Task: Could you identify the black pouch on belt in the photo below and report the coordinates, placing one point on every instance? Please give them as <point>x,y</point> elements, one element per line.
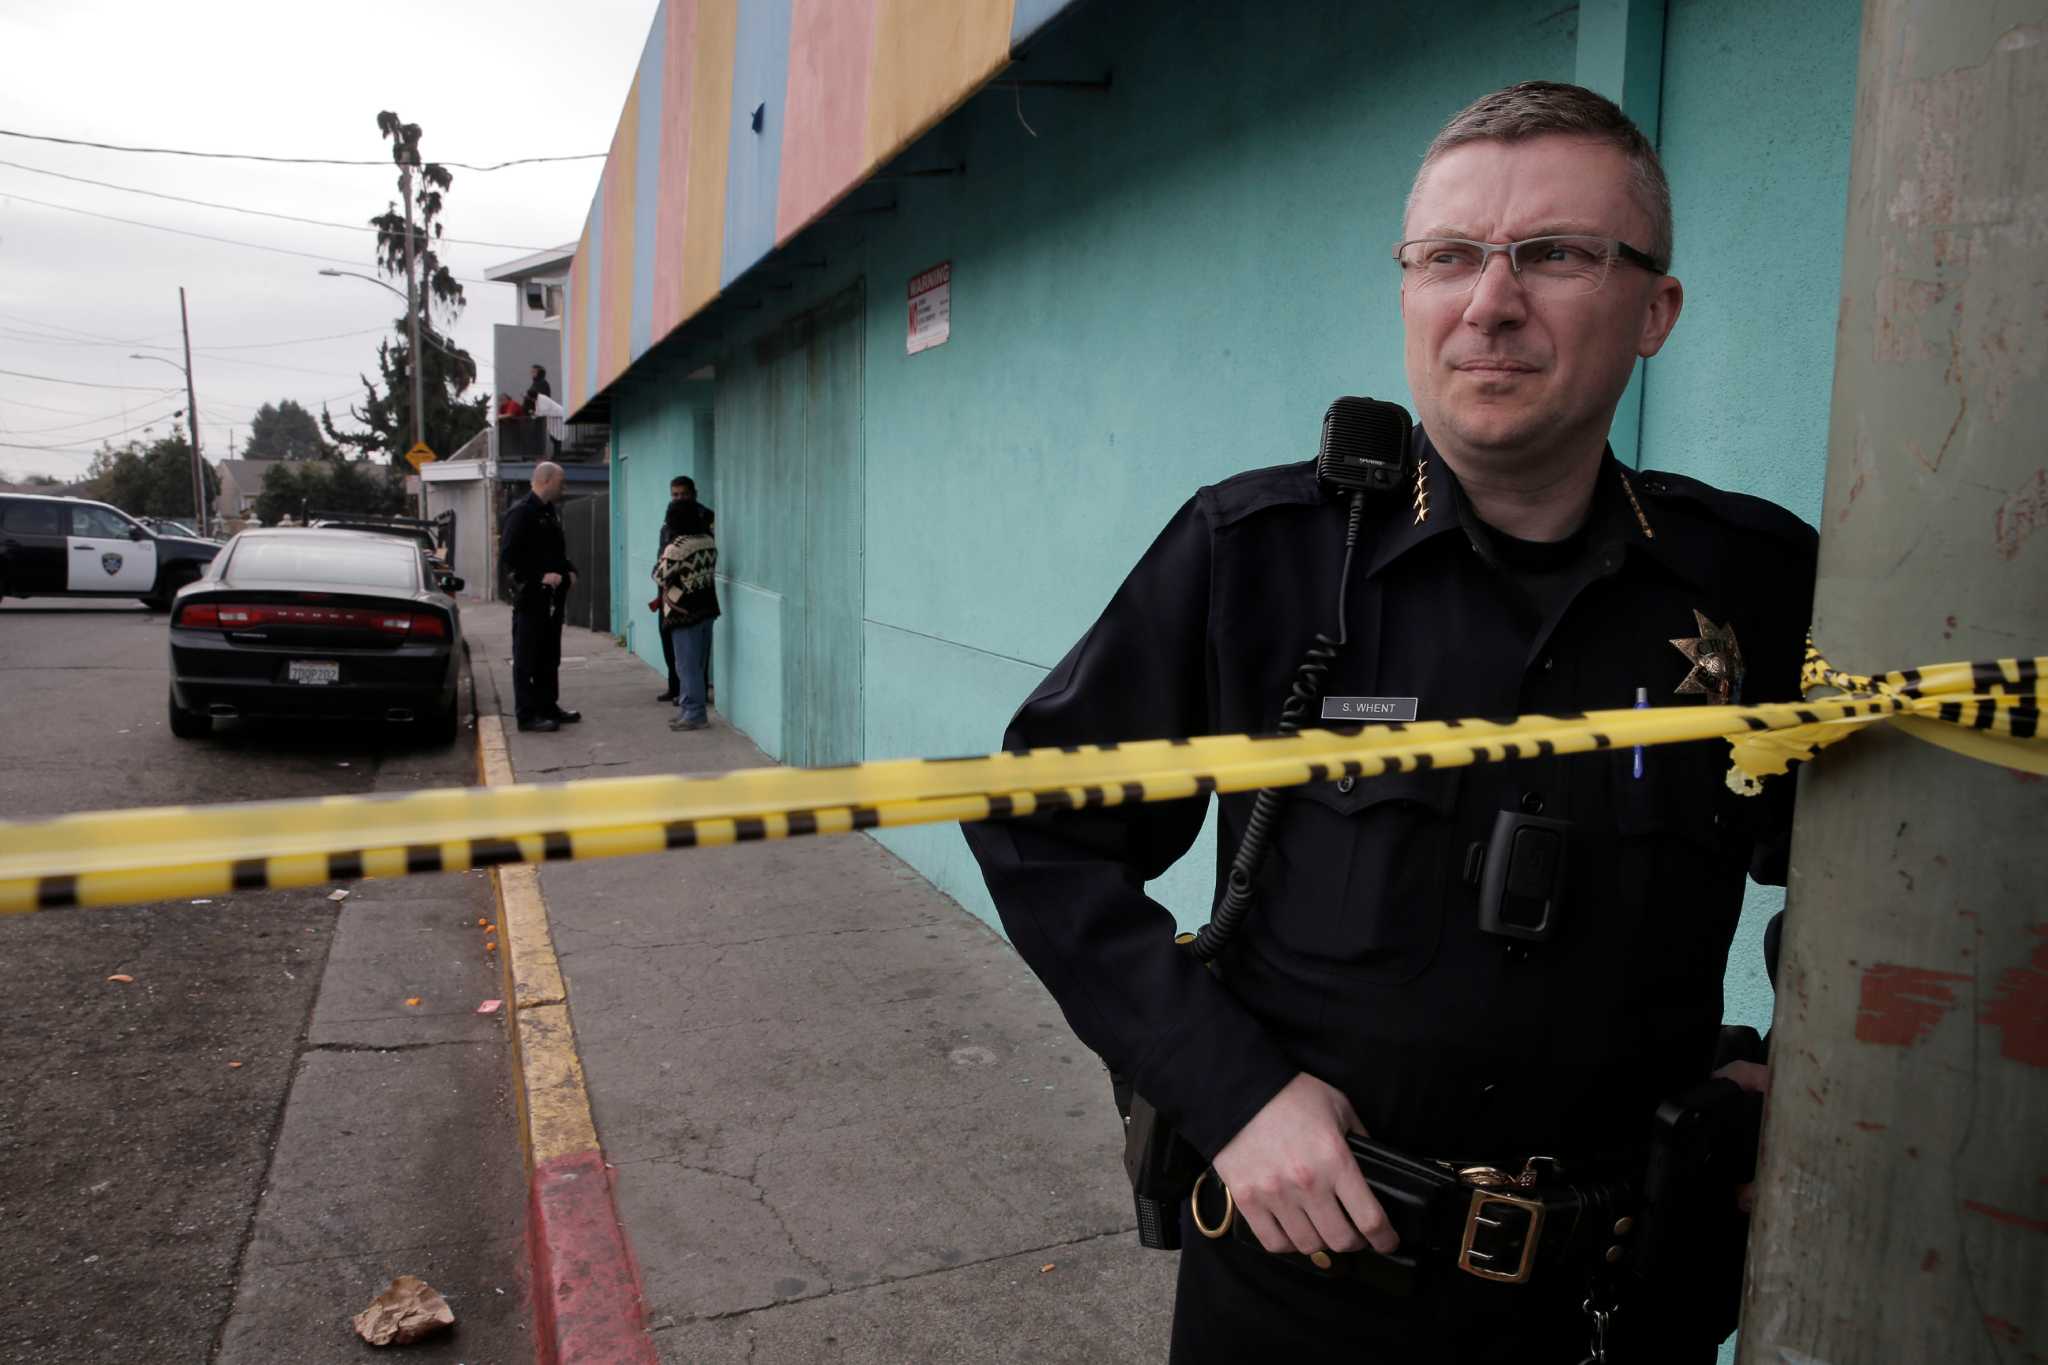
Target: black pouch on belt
<point>1694,1237</point>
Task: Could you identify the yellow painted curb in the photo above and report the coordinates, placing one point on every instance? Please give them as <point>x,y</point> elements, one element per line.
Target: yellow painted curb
<point>553,1100</point>
<point>558,1121</point>
<point>533,976</point>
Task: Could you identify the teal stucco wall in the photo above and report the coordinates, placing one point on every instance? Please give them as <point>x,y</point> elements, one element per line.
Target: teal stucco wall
<point>1161,285</point>
<point>1755,142</point>
<point>669,433</point>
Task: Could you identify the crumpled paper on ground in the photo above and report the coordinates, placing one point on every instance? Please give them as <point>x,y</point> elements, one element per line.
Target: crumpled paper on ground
<point>408,1309</point>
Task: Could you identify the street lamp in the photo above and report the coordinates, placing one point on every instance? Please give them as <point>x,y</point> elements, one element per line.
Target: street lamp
<point>412,312</point>
<point>396,293</point>
<point>358,275</point>
<point>191,424</point>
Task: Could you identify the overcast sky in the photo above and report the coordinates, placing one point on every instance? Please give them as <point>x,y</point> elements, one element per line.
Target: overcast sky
<point>78,294</point>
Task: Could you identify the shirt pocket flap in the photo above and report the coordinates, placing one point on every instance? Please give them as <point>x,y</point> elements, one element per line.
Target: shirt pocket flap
<point>1357,876</point>
<point>1435,789</point>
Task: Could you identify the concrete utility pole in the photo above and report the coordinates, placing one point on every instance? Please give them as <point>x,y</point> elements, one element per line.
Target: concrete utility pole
<point>192,421</point>
<point>1904,1210</point>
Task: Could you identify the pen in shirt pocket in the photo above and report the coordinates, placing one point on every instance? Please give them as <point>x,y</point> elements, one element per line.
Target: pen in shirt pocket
<point>1642,704</point>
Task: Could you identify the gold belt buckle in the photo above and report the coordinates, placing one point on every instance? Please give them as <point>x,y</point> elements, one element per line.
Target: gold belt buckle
<point>1475,1261</point>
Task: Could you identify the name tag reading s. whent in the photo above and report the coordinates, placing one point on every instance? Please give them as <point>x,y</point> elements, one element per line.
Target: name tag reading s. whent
<point>1356,710</point>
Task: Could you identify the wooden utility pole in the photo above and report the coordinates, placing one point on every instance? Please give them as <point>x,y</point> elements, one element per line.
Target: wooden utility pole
<point>1904,1210</point>
<point>192,421</point>
<point>413,292</point>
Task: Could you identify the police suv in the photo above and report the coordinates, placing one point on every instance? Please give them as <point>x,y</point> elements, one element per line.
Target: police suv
<point>68,547</point>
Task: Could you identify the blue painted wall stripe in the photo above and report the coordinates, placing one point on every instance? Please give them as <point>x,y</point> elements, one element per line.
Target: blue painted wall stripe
<point>1029,16</point>
<point>753,170</point>
<point>646,183</point>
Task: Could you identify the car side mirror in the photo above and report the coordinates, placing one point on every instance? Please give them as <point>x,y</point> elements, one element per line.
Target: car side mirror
<point>451,583</point>
<point>137,533</point>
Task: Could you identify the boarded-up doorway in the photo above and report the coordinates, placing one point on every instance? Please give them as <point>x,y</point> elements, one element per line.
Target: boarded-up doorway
<point>790,515</point>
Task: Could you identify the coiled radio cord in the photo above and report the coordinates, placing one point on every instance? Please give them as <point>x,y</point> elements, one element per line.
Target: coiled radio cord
<point>1305,690</point>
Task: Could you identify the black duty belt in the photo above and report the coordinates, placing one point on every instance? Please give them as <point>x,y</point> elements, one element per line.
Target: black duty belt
<point>1539,1225</point>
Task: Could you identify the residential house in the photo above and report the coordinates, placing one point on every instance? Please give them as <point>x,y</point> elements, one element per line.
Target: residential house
<point>241,483</point>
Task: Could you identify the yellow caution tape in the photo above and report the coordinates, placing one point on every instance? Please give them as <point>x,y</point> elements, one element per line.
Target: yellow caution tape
<point>115,857</point>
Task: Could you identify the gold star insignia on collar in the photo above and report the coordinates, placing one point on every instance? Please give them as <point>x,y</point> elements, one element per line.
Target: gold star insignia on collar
<point>1716,662</point>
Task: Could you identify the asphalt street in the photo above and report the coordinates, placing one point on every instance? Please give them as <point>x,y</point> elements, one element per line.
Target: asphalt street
<point>223,1158</point>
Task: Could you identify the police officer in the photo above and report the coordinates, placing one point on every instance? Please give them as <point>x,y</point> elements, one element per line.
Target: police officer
<point>536,560</point>
<point>1522,569</point>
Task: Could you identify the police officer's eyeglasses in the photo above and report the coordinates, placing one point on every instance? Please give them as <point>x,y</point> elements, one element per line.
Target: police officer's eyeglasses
<point>1571,264</point>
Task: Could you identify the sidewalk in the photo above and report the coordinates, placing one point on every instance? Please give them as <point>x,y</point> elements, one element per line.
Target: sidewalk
<point>847,1122</point>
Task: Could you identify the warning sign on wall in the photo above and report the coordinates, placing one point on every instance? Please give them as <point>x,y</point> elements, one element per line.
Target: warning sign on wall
<point>931,308</point>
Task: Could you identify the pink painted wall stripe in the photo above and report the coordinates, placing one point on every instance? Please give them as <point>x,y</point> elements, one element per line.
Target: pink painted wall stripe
<point>831,60</point>
<point>672,186</point>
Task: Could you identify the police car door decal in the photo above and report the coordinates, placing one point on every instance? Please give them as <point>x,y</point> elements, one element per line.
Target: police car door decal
<point>102,558</point>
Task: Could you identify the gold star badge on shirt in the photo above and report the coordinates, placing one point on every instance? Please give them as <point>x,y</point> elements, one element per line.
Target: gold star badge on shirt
<point>1716,662</point>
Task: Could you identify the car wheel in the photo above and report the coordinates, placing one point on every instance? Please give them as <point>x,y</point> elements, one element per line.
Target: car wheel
<point>167,588</point>
<point>441,727</point>
<point>189,724</point>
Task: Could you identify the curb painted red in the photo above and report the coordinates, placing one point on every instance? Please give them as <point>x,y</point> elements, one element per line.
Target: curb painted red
<point>586,1285</point>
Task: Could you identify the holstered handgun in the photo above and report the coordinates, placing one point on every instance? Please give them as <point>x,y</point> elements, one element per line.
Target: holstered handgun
<point>1161,1164</point>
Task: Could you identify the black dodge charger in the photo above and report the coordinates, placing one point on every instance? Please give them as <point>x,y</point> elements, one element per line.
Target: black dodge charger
<point>311,622</point>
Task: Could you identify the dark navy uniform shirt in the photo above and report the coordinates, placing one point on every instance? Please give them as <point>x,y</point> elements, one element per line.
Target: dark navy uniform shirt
<point>533,545</point>
<point>1362,961</point>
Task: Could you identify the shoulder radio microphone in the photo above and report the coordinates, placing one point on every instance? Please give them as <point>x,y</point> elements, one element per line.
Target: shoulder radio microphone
<point>1364,447</point>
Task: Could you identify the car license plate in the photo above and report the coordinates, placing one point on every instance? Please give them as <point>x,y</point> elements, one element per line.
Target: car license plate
<point>313,672</point>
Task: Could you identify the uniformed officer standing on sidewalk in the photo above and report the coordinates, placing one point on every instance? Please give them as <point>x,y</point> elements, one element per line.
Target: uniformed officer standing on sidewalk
<point>536,559</point>
<point>1519,569</point>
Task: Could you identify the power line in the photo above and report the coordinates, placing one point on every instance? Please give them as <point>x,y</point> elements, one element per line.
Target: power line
<point>272,365</point>
<point>50,339</point>
<point>295,341</point>
<point>307,403</point>
<point>88,422</point>
<point>159,227</point>
<point>50,450</point>
<point>273,345</point>
<point>182,232</point>
<point>202,236</point>
<point>102,436</point>
<point>74,412</point>
<point>19,335</point>
<point>83,383</point>
<point>259,213</point>
<point>291,160</point>
<point>96,336</point>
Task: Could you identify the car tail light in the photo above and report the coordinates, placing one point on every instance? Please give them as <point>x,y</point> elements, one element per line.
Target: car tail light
<point>420,625</point>
<point>414,625</point>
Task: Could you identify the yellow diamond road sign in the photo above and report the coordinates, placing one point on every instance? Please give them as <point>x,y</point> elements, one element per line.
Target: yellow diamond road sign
<point>420,455</point>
